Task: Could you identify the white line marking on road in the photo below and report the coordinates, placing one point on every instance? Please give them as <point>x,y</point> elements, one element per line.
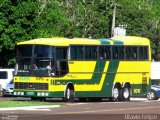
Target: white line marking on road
<point>31,108</point>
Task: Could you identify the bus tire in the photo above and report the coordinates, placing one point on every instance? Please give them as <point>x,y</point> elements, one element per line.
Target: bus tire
<point>116,93</point>
<point>125,93</point>
<point>69,95</point>
<point>152,95</point>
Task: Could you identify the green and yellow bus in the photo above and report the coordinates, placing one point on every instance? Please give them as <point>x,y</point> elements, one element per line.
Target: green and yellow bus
<point>88,69</point>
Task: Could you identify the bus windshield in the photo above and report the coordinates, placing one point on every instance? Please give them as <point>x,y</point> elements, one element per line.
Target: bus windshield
<point>35,60</point>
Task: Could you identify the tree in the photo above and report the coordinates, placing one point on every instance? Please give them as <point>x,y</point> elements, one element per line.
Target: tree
<point>88,18</point>
<point>28,19</point>
<point>16,24</point>
<point>51,20</point>
<point>154,29</point>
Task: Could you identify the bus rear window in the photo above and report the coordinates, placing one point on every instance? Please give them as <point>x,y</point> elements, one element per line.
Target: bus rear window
<point>3,75</point>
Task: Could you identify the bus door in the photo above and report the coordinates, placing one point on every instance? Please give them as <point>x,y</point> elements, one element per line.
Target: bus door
<point>61,61</point>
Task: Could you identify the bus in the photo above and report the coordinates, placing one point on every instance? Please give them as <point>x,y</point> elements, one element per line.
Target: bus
<point>86,69</point>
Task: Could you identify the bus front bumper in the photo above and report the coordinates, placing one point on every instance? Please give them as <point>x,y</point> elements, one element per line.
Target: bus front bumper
<point>31,94</point>
<point>38,94</point>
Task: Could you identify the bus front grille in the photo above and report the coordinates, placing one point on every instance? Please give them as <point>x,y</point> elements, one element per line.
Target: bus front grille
<point>31,86</point>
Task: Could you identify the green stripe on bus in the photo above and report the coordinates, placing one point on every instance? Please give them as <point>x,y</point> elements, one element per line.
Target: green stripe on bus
<point>106,90</point>
<point>109,79</point>
<point>96,77</point>
<point>104,41</point>
<point>117,42</point>
<point>107,42</point>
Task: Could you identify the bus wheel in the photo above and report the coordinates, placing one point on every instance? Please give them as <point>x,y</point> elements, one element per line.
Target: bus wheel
<point>116,93</point>
<point>69,95</point>
<point>125,94</point>
<point>152,95</point>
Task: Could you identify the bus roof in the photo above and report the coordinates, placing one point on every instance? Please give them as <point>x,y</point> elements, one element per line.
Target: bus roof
<point>132,40</point>
<point>120,40</point>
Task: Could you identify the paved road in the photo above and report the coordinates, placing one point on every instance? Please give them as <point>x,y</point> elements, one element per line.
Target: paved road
<point>140,109</point>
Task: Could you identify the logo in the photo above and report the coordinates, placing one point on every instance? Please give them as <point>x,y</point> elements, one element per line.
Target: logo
<point>9,116</point>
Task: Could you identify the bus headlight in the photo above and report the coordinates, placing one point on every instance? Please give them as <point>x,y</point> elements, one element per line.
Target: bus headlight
<point>19,93</point>
<point>42,94</point>
<point>38,94</point>
<point>15,93</point>
<point>22,93</point>
<point>46,94</point>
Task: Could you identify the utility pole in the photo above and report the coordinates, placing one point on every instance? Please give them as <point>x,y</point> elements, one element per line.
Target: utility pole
<point>114,17</point>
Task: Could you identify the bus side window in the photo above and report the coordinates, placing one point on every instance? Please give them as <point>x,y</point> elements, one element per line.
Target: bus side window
<point>128,53</point>
<point>134,53</point>
<point>94,52</point>
<point>143,53</point>
<point>90,52</point>
<point>115,52</point>
<point>77,52</point>
<point>108,52</point>
<point>101,52</point>
<point>80,53</point>
<point>73,52</point>
<point>121,52</point>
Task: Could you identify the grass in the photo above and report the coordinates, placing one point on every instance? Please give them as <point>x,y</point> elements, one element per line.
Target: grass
<point>7,104</point>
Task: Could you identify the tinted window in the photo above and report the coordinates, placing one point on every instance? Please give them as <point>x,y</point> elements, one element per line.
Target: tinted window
<point>118,52</point>
<point>121,52</point>
<point>101,52</point>
<point>143,53</point>
<point>24,51</point>
<point>134,52</point>
<point>128,53</point>
<point>77,52</point>
<point>3,75</point>
<point>131,53</point>
<point>107,52</point>
<point>73,52</point>
<point>80,52</point>
<point>42,51</point>
<point>115,52</point>
<point>90,52</point>
<point>61,53</point>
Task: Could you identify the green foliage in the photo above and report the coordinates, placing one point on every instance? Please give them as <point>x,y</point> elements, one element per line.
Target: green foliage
<point>27,19</point>
<point>87,18</point>
<point>16,24</point>
<point>51,20</point>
